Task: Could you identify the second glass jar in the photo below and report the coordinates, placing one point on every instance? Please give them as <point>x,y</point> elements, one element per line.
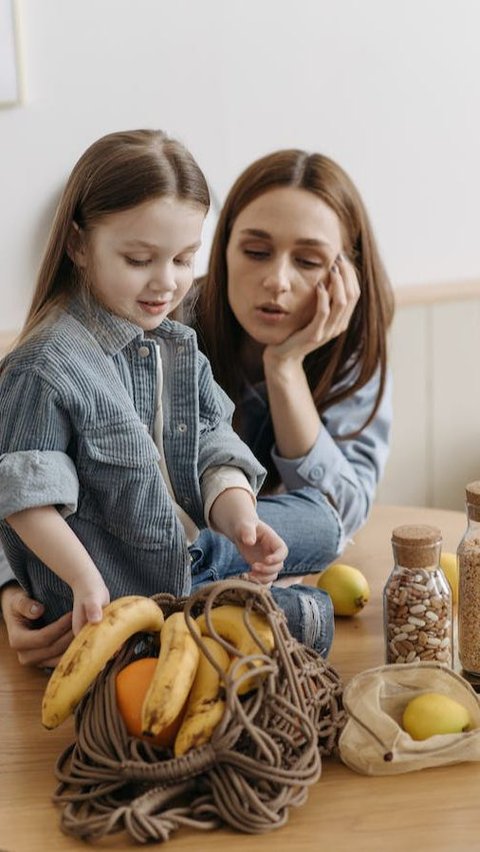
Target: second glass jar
<point>468,555</point>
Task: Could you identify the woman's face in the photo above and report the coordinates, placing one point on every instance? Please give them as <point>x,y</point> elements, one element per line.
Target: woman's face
<point>281,246</point>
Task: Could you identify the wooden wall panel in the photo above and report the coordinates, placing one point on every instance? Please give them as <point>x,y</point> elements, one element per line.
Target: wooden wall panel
<point>455,401</point>
<point>406,480</point>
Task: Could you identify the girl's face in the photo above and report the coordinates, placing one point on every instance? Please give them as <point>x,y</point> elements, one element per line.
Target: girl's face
<point>281,246</point>
<point>140,261</point>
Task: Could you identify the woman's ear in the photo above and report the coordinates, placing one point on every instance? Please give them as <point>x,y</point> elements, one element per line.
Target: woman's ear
<point>76,249</point>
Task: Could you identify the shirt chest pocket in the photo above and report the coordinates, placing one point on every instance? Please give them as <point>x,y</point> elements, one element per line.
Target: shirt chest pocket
<point>125,445</point>
<point>121,487</point>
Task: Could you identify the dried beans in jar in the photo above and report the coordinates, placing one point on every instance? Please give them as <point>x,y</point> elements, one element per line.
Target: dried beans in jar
<point>417,601</point>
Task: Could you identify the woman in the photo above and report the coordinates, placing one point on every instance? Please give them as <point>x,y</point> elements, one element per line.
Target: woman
<point>293,315</point>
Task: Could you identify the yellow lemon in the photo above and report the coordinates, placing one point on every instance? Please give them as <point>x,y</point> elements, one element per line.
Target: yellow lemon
<point>434,713</point>
<point>449,565</point>
<point>346,586</point>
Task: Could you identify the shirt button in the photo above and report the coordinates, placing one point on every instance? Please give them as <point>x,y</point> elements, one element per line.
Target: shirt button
<point>180,349</point>
<point>144,351</point>
<point>182,427</point>
<point>316,472</point>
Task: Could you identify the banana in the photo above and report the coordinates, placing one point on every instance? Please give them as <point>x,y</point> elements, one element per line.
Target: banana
<point>229,622</point>
<point>91,648</point>
<point>204,708</point>
<point>173,676</point>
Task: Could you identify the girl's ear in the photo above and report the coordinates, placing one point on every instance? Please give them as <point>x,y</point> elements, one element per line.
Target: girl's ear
<point>76,249</point>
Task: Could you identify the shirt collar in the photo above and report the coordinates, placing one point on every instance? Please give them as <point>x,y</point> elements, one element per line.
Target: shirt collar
<point>114,333</point>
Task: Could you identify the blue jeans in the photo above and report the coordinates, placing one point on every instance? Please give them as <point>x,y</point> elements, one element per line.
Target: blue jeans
<point>312,531</point>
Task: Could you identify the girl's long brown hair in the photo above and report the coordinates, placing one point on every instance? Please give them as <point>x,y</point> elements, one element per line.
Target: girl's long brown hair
<point>115,173</point>
<point>364,344</point>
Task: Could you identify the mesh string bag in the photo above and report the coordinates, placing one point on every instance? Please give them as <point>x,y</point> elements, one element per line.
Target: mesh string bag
<point>261,759</point>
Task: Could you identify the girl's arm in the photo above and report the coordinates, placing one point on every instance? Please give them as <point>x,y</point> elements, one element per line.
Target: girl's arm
<point>233,514</point>
<point>48,535</point>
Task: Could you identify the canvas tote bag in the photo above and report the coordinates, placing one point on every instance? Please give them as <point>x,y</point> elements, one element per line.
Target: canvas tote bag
<point>373,741</point>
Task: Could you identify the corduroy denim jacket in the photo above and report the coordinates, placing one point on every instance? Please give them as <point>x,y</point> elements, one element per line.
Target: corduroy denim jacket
<point>78,407</point>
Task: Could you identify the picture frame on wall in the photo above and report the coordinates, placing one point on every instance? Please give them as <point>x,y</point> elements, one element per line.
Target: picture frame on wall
<point>11,90</point>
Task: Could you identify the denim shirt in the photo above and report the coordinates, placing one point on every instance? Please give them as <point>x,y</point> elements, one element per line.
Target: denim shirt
<point>78,409</point>
<point>345,471</point>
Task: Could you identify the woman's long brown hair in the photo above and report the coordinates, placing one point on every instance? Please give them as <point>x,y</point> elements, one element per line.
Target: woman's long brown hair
<point>115,173</point>
<point>364,344</point>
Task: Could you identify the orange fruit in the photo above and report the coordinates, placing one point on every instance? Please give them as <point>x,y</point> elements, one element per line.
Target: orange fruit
<point>131,686</point>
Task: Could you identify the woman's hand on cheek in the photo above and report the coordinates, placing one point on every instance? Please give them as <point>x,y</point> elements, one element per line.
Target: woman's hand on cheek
<point>336,300</point>
<point>344,292</point>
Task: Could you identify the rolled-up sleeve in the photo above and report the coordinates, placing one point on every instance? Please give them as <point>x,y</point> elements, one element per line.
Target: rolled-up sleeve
<point>33,478</point>
<point>35,469</point>
<point>216,480</point>
<point>346,471</point>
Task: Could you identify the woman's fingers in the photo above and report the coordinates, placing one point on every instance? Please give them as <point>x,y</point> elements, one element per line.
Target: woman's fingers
<point>26,639</point>
<point>344,292</point>
<point>39,647</point>
<point>25,607</point>
<point>46,656</point>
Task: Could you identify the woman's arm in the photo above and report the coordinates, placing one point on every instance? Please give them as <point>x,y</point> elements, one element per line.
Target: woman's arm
<point>346,471</point>
<point>309,451</point>
<point>48,535</point>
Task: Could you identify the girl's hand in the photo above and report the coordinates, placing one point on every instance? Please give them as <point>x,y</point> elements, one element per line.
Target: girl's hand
<point>336,302</point>
<point>262,548</point>
<point>41,647</point>
<point>234,515</point>
<point>90,595</point>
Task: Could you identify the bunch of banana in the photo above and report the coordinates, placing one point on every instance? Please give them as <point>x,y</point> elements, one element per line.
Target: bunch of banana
<point>205,706</point>
<point>230,622</point>
<point>93,646</point>
<point>173,677</point>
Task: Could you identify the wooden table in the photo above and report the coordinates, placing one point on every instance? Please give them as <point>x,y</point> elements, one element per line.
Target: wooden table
<point>434,809</point>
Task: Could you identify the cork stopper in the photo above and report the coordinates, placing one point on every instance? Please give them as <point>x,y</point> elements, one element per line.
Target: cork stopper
<point>417,545</point>
<point>472,496</point>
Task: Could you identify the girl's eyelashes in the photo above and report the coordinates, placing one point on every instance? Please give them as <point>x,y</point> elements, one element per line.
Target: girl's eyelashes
<point>133,261</point>
<point>178,261</point>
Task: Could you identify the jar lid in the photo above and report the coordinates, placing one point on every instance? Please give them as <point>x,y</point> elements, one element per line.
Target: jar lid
<point>416,535</point>
<point>472,492</point>
<point>414,545</point>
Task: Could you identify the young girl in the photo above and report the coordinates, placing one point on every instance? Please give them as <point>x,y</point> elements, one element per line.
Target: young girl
<point>115,442</point>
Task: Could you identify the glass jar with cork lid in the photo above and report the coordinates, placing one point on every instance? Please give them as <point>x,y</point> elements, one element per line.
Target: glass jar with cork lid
<point>417,601</point>
<point>468,555</point>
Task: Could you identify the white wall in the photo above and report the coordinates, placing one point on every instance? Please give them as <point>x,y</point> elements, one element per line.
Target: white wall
<point>391,90</point>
